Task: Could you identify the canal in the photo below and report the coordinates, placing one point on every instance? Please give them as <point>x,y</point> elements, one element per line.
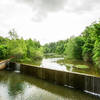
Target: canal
<point>68,65</point>
<point>15,86</point>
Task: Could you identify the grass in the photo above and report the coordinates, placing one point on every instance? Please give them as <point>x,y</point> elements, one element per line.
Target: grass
<point>52,55</point>
<point>77,66</point>
<point>81,66</point>
<point>74,63</point>
<point>29,61</point>
<point>69,65</point>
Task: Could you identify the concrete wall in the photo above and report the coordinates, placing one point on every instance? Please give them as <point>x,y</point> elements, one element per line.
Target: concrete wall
<point>76,80</point>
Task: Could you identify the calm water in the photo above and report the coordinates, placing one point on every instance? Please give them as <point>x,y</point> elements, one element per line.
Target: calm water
<point>52,63</point>
<point>14,86</point>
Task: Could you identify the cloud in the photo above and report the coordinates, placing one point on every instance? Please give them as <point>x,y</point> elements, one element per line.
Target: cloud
<point>82,6</point>
<point>19,14</point>
<point>41,8</point>
<point>45,5</point>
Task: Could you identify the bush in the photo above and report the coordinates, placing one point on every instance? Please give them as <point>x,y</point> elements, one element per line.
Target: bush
<point>3,51</point>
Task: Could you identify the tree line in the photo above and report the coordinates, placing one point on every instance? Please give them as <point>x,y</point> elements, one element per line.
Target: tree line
<point>21,50</point>
<point>85,47</point>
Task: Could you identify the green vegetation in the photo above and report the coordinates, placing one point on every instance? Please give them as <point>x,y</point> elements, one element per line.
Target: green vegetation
<point>85,47</point>
<point>52,55</point>
<point>73,48</point>
<point>81,66</point>
<point>22,50</point>
<point>70,65</point>
<point>55,47</point>
<point>77,66</point>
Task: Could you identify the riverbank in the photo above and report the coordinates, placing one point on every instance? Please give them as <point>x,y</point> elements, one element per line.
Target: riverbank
<point>28,61</point>
<point>80,66</point>
<point>63,65</point>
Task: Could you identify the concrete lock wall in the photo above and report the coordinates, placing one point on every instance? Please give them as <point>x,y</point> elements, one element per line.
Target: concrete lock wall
<point>79,81</point>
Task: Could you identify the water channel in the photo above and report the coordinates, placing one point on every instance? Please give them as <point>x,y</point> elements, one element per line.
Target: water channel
<point>15,86</point>
<point>67,65</point>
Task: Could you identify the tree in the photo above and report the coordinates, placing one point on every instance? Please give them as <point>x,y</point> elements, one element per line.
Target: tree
<point>33,49</point>
<point>88,36</point>
<point>74,48</point>
<point>55,47</point>
<point>12,34</point>
<point>3,51</point>
<point>96,53</point>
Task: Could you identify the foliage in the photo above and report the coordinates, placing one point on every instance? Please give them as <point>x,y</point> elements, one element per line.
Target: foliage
<point>96,53</point>
<point>74,48</point>
<point>3,51</point>
<point>81,66</point>
<point>55,47</point>
<point>28,50</point>
<point>89,43</point>
<point>91,48</point>
<point>86,46</point>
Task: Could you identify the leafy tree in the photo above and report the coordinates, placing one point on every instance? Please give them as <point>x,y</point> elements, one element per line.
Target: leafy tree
<point>3,51</point>
<point>74,48</point>
<point>12,34</point>
<point>55,47</point>
<point>33,49</point>
<point>89,40</point>
<point>22,50</point>
<point>60,47</point>
<point>96,53</point>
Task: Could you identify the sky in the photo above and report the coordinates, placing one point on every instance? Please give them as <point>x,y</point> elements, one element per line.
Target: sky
<point>47,20</point>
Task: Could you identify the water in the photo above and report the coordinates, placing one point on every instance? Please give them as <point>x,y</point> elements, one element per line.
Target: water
<point>52,64</point>
<point>14,86</point>
<point>17,68</point>
<point>61,64</point>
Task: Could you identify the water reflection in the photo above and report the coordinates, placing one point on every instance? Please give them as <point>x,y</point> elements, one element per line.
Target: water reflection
<point>62,64</point>
<point>14,86</point>
<point>52,64</point>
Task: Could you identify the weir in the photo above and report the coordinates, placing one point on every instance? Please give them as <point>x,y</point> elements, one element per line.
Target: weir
<point>17,67</point>
<point>84,82</point>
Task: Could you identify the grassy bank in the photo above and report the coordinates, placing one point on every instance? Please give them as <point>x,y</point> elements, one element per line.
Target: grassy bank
<point>29,61</point>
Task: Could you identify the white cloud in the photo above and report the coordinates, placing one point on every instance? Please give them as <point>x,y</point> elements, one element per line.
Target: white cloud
<point>82,6</point>
<point>60,18</point>
<point>41,8</point>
